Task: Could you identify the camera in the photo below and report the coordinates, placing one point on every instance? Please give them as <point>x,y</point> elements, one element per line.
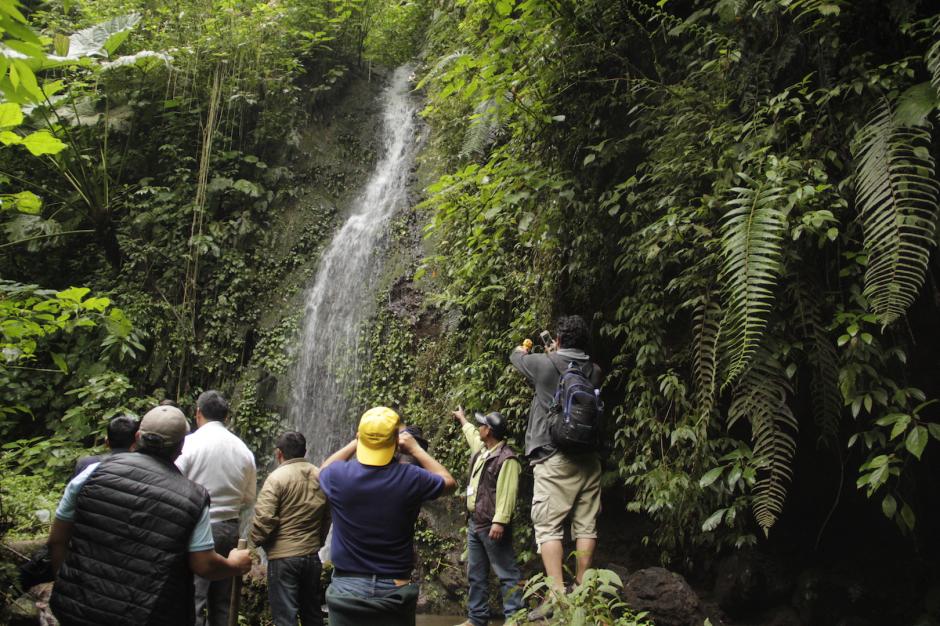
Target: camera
<point>546,338</point>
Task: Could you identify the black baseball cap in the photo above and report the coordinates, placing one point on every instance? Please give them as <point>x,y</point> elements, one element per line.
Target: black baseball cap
<point>495,421</point>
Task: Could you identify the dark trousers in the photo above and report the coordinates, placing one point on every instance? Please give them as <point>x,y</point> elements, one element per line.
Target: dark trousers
<point>294,590</point>
<point>484,553</point>
<point>213,597</point>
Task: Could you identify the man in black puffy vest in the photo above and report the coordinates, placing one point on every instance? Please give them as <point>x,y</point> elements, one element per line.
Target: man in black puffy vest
<point>130,532</point>
<point>492,485</point>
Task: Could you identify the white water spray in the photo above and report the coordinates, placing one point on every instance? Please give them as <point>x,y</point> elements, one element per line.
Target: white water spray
<point>342,294</point>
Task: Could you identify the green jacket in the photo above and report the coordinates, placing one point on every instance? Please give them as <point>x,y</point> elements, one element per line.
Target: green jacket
<point>291,512</point>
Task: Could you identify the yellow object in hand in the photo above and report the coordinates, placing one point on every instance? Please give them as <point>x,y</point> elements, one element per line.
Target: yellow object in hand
<point>527,344</point>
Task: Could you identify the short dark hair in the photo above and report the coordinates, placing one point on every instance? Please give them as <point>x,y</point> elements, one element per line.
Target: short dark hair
<point>292,444</point>
<point>121,431</point>
<point>212,405</point>
<point>572,332</point>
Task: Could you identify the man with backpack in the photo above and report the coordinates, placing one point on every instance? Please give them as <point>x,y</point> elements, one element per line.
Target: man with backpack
<point>563,425</point>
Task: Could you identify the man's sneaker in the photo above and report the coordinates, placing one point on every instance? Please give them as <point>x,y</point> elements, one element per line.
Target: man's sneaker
<point>541,612</point>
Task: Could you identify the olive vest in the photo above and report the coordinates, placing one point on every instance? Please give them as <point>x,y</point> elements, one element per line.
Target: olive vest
<point>128,559</point>
<point>485,506</point>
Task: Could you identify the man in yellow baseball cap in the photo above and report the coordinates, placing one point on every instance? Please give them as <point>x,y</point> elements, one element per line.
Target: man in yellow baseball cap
<point>378,436</point>
<point>375,502</point>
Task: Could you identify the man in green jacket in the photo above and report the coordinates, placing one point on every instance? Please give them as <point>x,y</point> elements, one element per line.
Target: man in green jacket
<point>492,485</point>
<point>290,523</point>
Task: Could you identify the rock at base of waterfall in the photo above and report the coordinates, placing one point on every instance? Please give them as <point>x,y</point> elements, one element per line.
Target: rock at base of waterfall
<point>665,595</point>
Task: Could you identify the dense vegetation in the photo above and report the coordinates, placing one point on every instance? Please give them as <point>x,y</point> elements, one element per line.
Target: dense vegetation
<point>741,195</point>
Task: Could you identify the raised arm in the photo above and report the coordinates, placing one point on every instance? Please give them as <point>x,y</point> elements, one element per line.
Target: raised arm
<point>343,454</point>
<point>408,444</point>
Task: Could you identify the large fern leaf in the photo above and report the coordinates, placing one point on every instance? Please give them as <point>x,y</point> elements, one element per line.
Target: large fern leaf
<point>707,329</point>
<point>897,196</point>
<point>485,124</point>
<point>824,364</point>
<point>752,234</point>
<point>933,56</point>
<point>760,397</point>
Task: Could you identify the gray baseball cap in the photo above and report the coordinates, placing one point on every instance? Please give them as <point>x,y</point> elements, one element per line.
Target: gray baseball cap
<point>163,427</point>
<point>495,421</point>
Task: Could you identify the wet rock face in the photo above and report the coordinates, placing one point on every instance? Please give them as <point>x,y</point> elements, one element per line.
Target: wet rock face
<point>666,595</point>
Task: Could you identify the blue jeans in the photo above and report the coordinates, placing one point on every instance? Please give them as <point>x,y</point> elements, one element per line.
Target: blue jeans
<point>370,601</point>
<point>483,553</point>
<point>294,590</point>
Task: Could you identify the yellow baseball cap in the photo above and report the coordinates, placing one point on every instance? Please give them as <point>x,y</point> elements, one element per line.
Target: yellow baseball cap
<point>378,436</point>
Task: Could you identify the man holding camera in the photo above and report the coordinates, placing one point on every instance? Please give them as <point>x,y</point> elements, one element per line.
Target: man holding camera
<point>565,484</point>
<point>491,498</point>
<point>375,502</point>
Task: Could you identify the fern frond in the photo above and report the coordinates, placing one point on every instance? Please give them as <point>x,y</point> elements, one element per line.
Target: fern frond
<point>484,127</point>
<point>932,58</point>
<point>761,398</point>
<point>752,236</point>
<point>823,358</point>
<point>442,64</point>
<point>707,324</point>
<point>897,196</point>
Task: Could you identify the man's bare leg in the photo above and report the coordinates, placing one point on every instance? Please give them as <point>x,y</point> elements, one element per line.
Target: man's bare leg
<point>585,554</point>
<point>552,553</point>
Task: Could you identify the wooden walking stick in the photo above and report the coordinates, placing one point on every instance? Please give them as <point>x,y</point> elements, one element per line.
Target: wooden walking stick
<point>236,598</point>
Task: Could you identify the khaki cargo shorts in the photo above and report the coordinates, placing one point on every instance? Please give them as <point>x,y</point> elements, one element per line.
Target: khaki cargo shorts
<point>566,486</point>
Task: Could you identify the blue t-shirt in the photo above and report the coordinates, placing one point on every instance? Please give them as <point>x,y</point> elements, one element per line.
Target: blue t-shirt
<point>199,541</point>
<point>374,512</point>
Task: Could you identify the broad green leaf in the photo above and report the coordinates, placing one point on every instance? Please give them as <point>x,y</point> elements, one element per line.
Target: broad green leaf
<point>900,426</point>
<point>713,520</point>
<point>934,430</point>
<point>710,476</point>
<point>10,115</point>
<point>59,360</point>
<point>27,202</point>
<point>916,104</point>
<point>75,294</point>
<point>907,514</point>
<point>889,506</point>
<point>916,441</point>
<point>43,142</point>
<point>9,138</point>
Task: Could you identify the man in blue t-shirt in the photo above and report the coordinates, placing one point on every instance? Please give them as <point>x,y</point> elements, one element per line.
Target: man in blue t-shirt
<point>374,503</point>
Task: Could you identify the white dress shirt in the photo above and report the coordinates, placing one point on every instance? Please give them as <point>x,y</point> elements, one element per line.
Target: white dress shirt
<point>221,462</point>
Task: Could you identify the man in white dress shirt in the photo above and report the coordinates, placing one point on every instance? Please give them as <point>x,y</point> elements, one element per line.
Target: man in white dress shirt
<point>221,462</point>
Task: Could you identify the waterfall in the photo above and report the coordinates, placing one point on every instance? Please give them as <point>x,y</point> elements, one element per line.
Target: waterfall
<point>342,296</point>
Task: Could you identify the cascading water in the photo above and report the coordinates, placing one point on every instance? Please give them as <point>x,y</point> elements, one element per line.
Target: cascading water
<point>342,294</point>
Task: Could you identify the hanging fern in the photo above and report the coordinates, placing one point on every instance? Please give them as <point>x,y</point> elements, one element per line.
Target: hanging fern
<point>484,127</point>
<point>752,234</point>
<point>707,321</point>
<point>761,398</point>
<point>897,196</point>
<point>933,56</point>
<point>824,365</point>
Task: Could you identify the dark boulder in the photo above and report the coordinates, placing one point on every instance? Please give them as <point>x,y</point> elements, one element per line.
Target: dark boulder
<point>665,595</point>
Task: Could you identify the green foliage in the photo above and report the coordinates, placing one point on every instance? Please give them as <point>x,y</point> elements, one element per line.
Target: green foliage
<point>28,504</point>
<point>897,196</point>
<point>685,172</point>
<point>595,601</point>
